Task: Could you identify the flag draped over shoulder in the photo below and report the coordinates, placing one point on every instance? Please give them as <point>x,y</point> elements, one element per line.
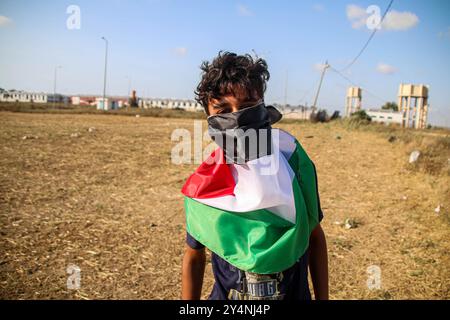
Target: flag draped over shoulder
<point>258,221</point>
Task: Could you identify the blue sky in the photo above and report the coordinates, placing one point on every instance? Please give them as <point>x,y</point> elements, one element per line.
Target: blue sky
<point>160,44</point>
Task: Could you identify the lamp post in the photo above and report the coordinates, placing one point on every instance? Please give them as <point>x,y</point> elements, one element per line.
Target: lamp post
<point>54,84</point>
<point>128,92</point>
<point>129,86</point>
<point>106,67</point>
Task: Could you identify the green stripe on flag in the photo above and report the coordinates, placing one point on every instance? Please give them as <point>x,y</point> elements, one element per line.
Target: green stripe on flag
<point>305,173</point>
<point>260,241</point>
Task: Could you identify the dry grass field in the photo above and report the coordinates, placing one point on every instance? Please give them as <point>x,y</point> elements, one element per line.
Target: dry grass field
<point>109,202</point>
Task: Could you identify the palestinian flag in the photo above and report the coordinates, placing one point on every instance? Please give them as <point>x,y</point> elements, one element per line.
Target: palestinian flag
<point>258,222</point>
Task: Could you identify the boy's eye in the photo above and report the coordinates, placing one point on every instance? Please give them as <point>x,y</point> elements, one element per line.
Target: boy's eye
<point>222,110</point>
<point>247,105</point>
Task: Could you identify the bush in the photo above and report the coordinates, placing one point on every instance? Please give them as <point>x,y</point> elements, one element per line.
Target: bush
<point>435,155</point>
<point>357,119</point>
<point>320,116</point>
<point>361,115</point>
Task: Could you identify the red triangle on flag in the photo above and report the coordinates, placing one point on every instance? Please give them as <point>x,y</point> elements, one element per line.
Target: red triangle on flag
<point>212,179</point>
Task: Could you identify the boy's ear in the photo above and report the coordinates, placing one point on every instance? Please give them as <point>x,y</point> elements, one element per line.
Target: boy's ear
<point>206,108</point>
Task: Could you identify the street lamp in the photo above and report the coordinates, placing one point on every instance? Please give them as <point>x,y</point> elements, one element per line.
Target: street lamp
<point>129,85</point>
<point>54,84</point>
<point>106,66</point>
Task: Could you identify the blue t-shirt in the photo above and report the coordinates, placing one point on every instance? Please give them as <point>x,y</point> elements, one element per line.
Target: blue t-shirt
<point>232,283</point>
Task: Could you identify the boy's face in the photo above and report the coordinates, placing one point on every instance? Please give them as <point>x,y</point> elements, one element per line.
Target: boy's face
<point>231,103</point>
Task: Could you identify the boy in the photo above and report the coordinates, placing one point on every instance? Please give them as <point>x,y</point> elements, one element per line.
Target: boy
<point>263,229</point>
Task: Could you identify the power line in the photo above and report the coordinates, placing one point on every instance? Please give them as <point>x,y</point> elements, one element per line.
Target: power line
<point>370,38</point>
<point>355,59</point>
<point>303,98</point>
<point>355,84</point>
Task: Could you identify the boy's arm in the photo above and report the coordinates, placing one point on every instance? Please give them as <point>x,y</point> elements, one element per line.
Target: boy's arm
<point>192,273</point>
<point>318,263</point>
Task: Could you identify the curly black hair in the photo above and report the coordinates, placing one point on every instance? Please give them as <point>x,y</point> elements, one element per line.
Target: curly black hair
<point>230,73</point>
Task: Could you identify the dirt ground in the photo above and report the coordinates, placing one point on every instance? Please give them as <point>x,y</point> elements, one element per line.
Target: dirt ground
<point>109,202</point>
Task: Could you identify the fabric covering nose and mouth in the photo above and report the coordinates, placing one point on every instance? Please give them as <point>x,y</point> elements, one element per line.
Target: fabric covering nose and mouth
<point>231,132</point>
<point>257,117</point>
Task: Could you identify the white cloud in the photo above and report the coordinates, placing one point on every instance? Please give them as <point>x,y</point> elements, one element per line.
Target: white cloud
<point>385,68</point>
<point>394,20</point>
<point>354,11</point>
<point>318,7</point>
<point>244,11</point>
<point>357,15</point>
<point>181,51</point>
<point>444,34</point>
<point>4,21</point>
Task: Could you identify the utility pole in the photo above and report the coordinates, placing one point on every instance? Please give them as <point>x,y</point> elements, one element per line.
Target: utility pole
<point>325,67</point>
<point>104,79</point>
<point>129,86</point>
<point>285,89</point>
<point>54,84</point>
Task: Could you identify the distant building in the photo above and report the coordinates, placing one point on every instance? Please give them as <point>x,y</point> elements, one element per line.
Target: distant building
<point>188,105</point>
<point>385,116</point>
<point>294,112</point>
<point>353,100</point>
<point>107,104</point>
<point>57,98</point>
<point>413,103</point>
<point>121,101</point>
<point>84,100</point>
<point>22,96</point>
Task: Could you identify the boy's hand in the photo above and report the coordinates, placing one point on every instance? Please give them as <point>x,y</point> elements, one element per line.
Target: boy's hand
<point>192,273</point>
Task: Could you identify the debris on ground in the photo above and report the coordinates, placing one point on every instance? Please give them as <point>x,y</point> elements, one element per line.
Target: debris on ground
<point>437,209</point>
<point>27,137</point>
<point>350,224</point>
<point>414,156</point>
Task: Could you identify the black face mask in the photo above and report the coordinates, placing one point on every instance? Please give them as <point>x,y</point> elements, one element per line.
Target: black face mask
<point>244,135</point>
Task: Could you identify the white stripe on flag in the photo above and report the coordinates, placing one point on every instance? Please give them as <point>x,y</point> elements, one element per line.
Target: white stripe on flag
<point>254,191</point>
